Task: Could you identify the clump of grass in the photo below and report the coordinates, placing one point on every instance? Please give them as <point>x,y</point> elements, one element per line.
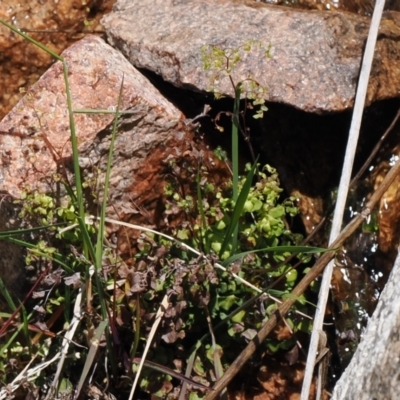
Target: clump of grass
<point>209,282</point>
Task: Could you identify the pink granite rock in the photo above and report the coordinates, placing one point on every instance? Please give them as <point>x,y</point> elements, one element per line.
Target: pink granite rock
<point>316,56</point>
<point>35,135</point>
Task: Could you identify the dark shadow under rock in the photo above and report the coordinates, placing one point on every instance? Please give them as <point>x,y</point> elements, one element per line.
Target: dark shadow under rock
<point>12,262</point>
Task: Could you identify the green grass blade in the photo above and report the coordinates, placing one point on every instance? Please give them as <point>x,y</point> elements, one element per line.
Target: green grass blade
<point>71,194</point>
<point>75,161</point>
<point>9,343</point>
<point>237,211</point>
<point>204,239</point>
<point>235,160</point>
<point>100,235</point>
<point>33,41</point>
<point>55,258</point>
<point>8,234</point>
<point>91,111</point>
<point>25,328</point>
<point>86,239</point>
<point>67,307</point>
<point>235,143</point>
<point>6,294</point>
<point>137,328</point>
<point>74,141</point>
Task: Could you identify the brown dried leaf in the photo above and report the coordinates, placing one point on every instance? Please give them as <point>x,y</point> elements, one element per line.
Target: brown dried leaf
<point>40,309</point>
<point>138,282</point>
<point>38,295</point>
<point>74,280</point>
<point>172,336</point>
<point>54,278</point>
<point>292,356</point>
<point>41,325</point>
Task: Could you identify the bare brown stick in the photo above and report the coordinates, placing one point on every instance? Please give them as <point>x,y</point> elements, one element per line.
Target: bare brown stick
<point>315,271</point>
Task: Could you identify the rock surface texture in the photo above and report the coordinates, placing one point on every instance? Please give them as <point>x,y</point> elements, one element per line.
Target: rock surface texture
<point>315,60</point>
<point>56,24</point>
<point>373,373</point>
<point>35,136</point>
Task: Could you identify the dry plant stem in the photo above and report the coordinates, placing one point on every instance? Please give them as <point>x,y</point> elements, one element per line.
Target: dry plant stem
<point>342,194</point>
<point>159,315</point>
<point>3,329</point>
<point>375,150</point>
<point>216,357</point>
<point>26,375</point>
<point>187,247</point>
<point>353,181</point>
<point>315,271</point>
<point>69,335</point>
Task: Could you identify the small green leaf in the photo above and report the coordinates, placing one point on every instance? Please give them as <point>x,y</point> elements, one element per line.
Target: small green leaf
<point>183,234</point>
<point>239,316</point>
<point>226,302</point>
<point>291,276</point>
